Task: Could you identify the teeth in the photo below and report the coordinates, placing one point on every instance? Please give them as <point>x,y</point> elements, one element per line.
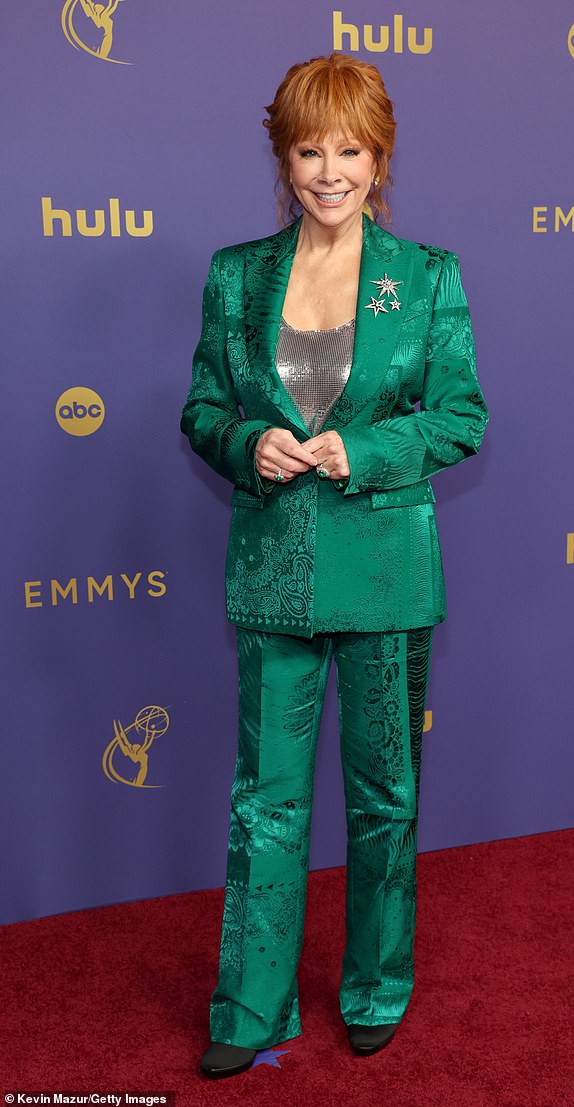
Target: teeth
<point>331,197</point>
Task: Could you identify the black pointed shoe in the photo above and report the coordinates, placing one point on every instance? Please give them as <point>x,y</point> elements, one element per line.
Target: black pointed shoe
<point>221,1059</point>
<point>370,1039</point>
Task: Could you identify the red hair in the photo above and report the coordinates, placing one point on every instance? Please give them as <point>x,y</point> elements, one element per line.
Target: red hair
<point>338,95</point>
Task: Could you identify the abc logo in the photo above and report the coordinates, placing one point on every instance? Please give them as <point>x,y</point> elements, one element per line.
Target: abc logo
<point>80,411</point>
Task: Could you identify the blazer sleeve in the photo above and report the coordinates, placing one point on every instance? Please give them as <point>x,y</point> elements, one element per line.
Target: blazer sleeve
<point>211,418</point>
<point>453,415</point>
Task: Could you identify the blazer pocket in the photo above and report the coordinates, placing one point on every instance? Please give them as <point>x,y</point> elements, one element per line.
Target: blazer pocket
<point>409,496</point>
<point>412,315</point>
<point>241,498</point>
<point>416,311</point>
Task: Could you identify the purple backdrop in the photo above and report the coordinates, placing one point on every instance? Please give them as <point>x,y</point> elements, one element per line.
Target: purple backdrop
<point>483,118</point>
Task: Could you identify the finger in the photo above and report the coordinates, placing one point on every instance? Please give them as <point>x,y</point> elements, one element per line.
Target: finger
<point>316,448</point>
<point>291,449</point>
<point>286,465</point>
<point>319,439</point>
<point>271,474</point>
<point>274,460</point>
<point>298,461</point>
<point>286,442</point>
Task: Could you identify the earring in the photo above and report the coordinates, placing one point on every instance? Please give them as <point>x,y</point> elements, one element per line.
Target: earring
<point>376,182</point>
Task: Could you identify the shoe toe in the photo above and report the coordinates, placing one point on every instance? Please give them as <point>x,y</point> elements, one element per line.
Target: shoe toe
<point>369,1039</point>
<point>222,1059</point>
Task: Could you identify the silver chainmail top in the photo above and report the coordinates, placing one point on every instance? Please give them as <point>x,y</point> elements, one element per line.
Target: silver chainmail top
<point>314,366</point>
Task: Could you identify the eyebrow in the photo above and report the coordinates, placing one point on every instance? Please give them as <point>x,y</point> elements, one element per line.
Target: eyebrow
<point>341,142</point>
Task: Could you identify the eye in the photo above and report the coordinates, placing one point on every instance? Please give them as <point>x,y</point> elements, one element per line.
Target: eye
<point>309,153</point>
<point>351,151</point>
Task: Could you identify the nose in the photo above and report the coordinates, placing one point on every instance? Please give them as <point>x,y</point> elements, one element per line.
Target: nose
<point>329,174</point>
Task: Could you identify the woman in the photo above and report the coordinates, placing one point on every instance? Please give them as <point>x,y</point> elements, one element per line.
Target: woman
<point>317,343</point>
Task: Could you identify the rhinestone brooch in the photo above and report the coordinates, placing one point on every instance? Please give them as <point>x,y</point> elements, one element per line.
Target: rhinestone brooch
<point>386,287</point>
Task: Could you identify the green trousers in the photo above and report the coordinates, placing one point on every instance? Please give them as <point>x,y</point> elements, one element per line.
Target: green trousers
<point>381,681</point>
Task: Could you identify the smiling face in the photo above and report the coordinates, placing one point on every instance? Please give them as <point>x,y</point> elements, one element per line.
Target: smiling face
<point>331,179</point>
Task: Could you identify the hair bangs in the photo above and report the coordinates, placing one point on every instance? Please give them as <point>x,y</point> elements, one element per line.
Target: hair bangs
<point>328,108</point>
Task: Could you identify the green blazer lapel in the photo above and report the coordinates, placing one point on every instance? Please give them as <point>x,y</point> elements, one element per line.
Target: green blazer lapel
<point>266,278</point>
<point>376,330</point>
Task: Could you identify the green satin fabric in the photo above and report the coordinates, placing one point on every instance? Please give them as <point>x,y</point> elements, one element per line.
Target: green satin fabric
<point>366,558</point>
<point>382,680</point>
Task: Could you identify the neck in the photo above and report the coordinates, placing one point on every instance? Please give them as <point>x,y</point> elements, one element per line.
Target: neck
<point>316,238</point>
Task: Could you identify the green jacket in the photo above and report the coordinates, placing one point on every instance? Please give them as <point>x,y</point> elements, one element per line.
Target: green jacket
<point>360,554</point>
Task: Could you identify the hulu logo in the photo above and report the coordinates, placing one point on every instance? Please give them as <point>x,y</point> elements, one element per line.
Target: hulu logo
<point>112,220</point>
<point>389,38</point>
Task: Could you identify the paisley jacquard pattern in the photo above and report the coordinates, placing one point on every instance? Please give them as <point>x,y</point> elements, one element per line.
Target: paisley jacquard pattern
<point>281,573</point>
<point>270,582</point>
<point>381,681</point>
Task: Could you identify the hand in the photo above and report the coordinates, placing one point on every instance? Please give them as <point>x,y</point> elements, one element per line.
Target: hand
<point>279,449</point>
<point>329,451</point>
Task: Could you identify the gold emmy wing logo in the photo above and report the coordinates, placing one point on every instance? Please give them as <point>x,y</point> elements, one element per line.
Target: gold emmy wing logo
<point>571,41</point>
<point>80,411</point>
<point>100,16</point>
<point>148,724</point>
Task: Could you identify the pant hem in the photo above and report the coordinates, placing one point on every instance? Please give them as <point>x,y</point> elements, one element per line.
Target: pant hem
<point>266,1045</point>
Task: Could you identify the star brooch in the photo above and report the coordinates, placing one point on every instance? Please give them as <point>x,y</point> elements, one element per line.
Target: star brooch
<point>388,288</point>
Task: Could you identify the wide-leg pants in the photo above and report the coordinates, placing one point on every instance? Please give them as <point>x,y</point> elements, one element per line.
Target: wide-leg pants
<point>381,681</point>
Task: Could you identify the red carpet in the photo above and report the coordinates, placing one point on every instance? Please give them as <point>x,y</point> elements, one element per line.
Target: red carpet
<point>117,998</point>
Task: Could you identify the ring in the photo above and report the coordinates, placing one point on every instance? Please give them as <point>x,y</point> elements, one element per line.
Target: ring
<point>278,475</point>
<point>321,471</point>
